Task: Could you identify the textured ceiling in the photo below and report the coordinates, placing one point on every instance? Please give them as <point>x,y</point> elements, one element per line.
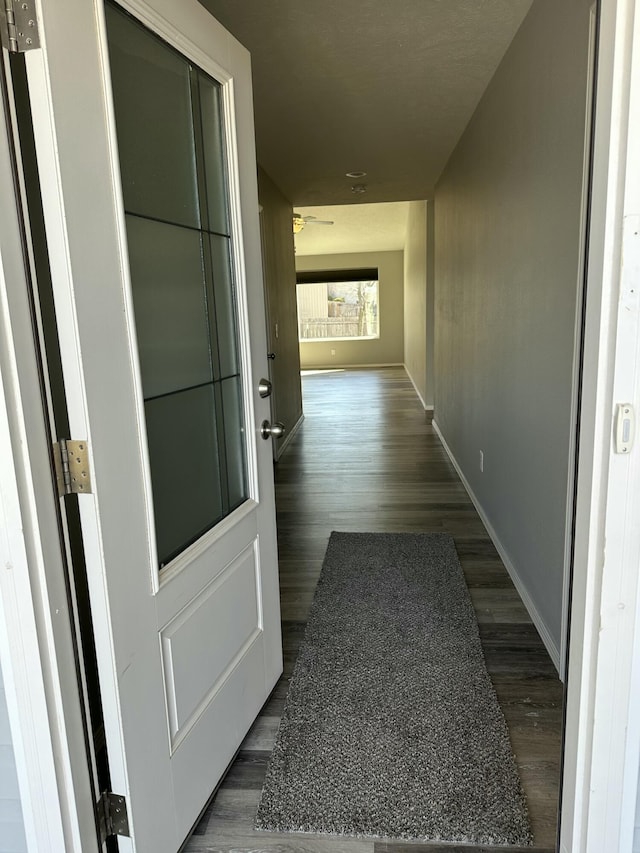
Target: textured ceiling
<point>383,87</point>
<point>356,228</point>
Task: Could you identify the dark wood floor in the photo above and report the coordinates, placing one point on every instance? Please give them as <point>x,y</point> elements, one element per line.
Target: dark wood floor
<point>367,459</point>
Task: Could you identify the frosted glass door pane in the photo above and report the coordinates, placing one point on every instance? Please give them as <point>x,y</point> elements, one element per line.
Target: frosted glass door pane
<point>170,129</point>
<point>170,302</point>
<point>185,468</point>
<point>154,121</point>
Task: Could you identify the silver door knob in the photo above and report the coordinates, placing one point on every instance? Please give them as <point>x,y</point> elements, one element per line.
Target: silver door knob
<point>276,430</point>
<point>264,388</point>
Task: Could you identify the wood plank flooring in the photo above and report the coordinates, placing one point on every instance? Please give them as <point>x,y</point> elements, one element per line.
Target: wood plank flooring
<point>367,459</point>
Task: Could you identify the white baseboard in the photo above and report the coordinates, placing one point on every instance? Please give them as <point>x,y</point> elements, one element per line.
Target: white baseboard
<point>426,406</point>
<point>536,618</point>
<point>282,445</point>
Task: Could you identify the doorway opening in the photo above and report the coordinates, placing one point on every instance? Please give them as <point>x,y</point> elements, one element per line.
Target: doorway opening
<point>572,329</point>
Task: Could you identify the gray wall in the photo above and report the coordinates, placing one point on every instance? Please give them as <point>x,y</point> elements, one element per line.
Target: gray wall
<point>415,297</point>
<point>12,837</point>
<point>418,299</point>
<point>508,209</point>
<point>389,347</point>
<point>431,303</point>
<point>280,291</point>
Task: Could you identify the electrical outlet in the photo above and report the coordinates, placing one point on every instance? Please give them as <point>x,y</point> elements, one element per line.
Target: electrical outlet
<point>481,461</point>
<point>333,352</point>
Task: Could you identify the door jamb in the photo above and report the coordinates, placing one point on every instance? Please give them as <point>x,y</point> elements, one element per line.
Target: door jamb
<point>36,641</point>
<point>578,341</point>
<point>602,737</point>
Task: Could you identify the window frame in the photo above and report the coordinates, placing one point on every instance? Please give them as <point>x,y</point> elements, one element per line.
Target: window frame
<point>339,276</point>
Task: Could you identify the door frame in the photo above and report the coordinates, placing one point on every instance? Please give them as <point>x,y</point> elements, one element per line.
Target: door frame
<point>602,735</point>
<point>37,652</point>
<point>602,747</point>
<point>578,342</point>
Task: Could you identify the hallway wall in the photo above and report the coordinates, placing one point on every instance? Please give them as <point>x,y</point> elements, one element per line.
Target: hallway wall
<point>280,291</point>
<point>389,347</point>
<point>415,298</point>
<point>419,300</point>
<point>508,209</point>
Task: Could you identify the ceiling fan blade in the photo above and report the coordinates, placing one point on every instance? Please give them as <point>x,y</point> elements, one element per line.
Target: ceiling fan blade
<point>299,222</point>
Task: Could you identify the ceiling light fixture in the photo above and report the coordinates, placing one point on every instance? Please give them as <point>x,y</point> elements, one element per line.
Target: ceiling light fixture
<point>356,174</point>
<point>358,188</point>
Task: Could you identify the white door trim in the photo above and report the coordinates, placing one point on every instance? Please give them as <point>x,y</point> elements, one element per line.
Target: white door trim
<point>36,648</point>
<point>603,715</point>
<point>577,344</point>
<point>19,652</point>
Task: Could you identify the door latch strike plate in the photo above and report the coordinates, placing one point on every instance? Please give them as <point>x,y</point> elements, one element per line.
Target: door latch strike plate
<point>625,427</point>
<point>72,467</point>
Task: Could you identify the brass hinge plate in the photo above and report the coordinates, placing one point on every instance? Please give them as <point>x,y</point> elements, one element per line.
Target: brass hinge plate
<point>112,815</point>
<point>72,467</point>
<point>19,25</point>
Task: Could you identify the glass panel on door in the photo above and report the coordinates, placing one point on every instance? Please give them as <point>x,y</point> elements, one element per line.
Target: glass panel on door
<point>169,123</point>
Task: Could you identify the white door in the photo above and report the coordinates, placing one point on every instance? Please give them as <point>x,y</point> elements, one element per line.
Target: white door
<point>144,134</point>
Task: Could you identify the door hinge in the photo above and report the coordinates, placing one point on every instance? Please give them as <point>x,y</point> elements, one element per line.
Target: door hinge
<point>112,815</point>
<point>72,467</point>
<point>19,25</point>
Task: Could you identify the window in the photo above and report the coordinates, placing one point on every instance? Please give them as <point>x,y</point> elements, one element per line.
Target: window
<point>340,305</point>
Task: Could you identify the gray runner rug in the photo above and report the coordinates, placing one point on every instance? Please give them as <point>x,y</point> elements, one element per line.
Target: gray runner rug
<point>391,726</point>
